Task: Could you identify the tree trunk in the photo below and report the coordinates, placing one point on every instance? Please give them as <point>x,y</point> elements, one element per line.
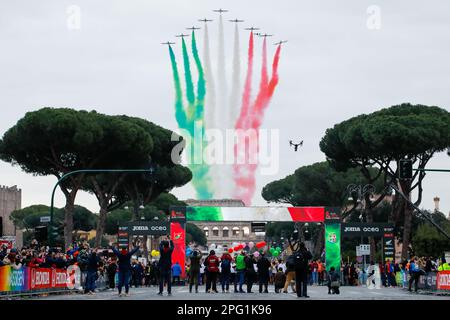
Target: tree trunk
<point>101,224</point>
<point>68,219</point>
<point>407,231</point>
<point>145,248</point>
<point>136,211</point>
<point>318,248</point>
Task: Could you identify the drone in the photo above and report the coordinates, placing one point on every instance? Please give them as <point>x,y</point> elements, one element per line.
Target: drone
<point>296,145</point>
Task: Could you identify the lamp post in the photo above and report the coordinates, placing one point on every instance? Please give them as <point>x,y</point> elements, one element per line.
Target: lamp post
<point>65,176</point>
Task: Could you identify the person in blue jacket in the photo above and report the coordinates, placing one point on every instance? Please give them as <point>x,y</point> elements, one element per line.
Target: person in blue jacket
<point>165,265</point>
<point>123,261</point>
<point>176,273</point>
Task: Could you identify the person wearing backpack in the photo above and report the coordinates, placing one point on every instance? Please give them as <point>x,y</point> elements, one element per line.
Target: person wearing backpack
<point>225,266</point>
<point>333,281</point>
<point>279,280</point>
<point>194,270</point>
<point>290,273</point>
<point>263,266</point>
<point>250,272</point>
<point>212,265</point>
<point>414,273</point>
<point>302,256</point>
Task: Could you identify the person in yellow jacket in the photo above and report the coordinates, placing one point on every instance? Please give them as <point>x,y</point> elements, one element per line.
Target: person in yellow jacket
<point>444,266</point>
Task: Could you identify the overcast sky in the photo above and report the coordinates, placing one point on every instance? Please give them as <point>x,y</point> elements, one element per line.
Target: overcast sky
<point>333,67</point>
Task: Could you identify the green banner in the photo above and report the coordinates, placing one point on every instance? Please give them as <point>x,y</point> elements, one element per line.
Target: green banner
<point>333,246</point>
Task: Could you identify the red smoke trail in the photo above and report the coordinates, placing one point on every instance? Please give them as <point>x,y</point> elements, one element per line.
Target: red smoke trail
<point>245,174</point>
<point>247,88</point>
<point>260,106</point>
<point>242,123</point>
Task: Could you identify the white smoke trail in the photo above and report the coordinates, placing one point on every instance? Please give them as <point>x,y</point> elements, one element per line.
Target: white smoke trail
<point>233,112</point>
<point>221,83</point>
<point>235,83</point>
<point>210,99</point>
<point>221,105</point>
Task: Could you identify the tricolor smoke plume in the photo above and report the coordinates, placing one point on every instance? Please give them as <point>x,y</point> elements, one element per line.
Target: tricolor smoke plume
<point>211,102</point>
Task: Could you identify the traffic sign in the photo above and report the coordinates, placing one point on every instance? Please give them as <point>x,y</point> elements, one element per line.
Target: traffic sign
<point>44,219</point>
<point>363,250</point>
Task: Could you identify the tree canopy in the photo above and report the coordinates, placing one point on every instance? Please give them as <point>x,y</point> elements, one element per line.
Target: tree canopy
<point>381,139</point>
<point>29,218</point>
<point>427,241</point>
<point>194,234</point>
<point>55,141</point>
<point>159,208</point>
<point>387,135</point>
<point>315,185</point>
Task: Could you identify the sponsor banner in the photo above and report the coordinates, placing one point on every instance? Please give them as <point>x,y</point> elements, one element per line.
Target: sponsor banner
<point>26,279</point>
<point>332,214</point>
<point>263,214</point>
<point>428,281</point>
<point>123,237</point>
<point>333,246</point>
<point>142,228</point>
<point>13,279</point>
<point>443,280</point>
<point>178,214</point>
<point>178,236</point>
<point>364,229</point>
<point>40,278</point>
<point>388,247</point>
<point>9,241</point>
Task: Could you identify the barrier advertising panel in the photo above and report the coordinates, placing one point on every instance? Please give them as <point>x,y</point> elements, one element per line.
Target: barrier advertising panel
<point>443,280</point>
<point>29,279</point>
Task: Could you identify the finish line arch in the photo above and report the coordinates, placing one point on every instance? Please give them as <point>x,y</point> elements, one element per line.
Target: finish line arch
<point>330,216</point>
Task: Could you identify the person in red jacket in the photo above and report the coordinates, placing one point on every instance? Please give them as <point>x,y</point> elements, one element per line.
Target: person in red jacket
<point>212,264</point>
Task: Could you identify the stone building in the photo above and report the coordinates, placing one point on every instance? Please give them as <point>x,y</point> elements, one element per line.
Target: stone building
<point>10,200</point>
<point>224,232</point>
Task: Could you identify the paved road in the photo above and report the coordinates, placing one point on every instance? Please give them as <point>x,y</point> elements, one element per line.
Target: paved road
<point>316,293</point>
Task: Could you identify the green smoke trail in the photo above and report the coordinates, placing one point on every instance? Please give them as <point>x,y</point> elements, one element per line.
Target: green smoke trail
<point>202,180</point>
<point>180,115</point>
<point>188,122</point>
<point>201,84</point>
<point>188,76</point>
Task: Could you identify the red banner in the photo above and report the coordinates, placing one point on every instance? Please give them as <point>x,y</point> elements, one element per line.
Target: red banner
<point>40,278</point>
<point>443,280</point>
<point>178,236</point>
<point>59,278</point>
<point>307,214</point>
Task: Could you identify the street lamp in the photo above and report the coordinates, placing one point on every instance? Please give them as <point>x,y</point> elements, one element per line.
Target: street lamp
<point>360,191</point>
